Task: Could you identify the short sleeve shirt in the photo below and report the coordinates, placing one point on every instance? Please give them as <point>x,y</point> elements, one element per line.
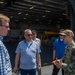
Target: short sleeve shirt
<point>28,52</point>
<point>59,46</point>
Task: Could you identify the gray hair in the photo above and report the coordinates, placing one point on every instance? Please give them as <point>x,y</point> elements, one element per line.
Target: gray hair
<point>26,31</point>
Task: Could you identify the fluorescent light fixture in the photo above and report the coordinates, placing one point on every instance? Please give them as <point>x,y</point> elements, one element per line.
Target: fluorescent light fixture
<point>48,11</point>
<point>27,14</point>
<point>1,2</point>
<point>31,7</point>
<point>64,14</point>
<point>43,16</point>
<point>19,13</point>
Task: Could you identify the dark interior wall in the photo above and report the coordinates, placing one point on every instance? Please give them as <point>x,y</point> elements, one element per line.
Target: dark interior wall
<point>72,14</point>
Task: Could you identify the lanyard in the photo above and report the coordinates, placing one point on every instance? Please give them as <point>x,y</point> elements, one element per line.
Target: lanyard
<point>28,45</point>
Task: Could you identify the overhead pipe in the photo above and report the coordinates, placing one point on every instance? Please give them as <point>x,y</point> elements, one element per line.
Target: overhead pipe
<point>39,4</point>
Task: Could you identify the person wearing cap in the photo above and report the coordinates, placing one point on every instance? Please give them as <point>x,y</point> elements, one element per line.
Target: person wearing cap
<point>69,57</point>
<point>58,52</point>
<point>38,41</point>
<point>34,37</point>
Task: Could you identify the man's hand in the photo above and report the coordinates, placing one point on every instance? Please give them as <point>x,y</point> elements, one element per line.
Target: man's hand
<point>57,63</point>
<point>15,69</point>
<point>38,67</point>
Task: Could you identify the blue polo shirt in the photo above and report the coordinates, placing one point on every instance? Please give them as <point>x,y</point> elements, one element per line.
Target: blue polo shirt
<point>28,52</point>
<point>59,46</point>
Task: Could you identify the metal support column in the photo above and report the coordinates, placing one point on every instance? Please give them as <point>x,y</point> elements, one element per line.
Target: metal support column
<point>72,20</point>
<point>72,13</point>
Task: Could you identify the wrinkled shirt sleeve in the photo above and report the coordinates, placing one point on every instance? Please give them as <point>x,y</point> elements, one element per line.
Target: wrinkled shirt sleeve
<point>18,49</point>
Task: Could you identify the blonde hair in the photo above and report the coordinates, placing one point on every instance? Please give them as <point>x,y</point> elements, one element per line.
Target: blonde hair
<point>69,32</point>
<point>5,18</point>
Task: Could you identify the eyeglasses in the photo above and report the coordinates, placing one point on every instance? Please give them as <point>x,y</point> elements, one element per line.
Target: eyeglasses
<point>29,35</point>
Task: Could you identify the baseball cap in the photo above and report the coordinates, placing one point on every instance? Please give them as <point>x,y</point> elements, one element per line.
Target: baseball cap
<point>62,33</point>
<point>68,32</point>
<point>34,31</point>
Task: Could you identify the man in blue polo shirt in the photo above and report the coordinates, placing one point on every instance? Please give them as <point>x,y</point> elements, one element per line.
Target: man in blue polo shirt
<point>29,54</point>
<point>58,51</point>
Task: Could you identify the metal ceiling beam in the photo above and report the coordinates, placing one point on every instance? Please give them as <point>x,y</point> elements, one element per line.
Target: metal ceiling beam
<point>53,2</point>
<point>36,4</point>
<point>38,11</point>
<point>22,10</point>
<point>35,8</point>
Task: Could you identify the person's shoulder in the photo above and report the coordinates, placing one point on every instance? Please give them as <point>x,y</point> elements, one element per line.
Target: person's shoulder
<point>0,43</point>
<point>56,40</point>
<point>73,45</point>
<point>34,43</point>
<point>73,49</point>
<point>37,39</point>
<point>21,42</point>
